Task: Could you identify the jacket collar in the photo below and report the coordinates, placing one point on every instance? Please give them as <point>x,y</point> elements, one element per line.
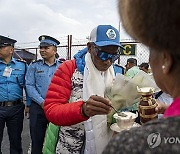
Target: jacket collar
<point>80,59</point>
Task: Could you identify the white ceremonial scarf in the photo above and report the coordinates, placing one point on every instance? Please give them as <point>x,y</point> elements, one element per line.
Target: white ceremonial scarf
<point>94,83</point>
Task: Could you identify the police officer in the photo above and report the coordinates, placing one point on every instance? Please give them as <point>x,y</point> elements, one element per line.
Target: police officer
<point>38,78</point>
<point>118,68</point>
<point>12,81</point>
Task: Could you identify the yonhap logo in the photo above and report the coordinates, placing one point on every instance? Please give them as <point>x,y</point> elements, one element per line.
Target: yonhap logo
<point>154,139</point>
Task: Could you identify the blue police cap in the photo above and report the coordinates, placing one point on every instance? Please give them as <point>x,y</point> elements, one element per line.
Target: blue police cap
<point>6,41</point>
<point>46,40</point>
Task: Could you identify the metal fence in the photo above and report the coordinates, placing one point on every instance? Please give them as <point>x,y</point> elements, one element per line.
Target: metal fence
<point>141,53</point>
<point>69,50</point>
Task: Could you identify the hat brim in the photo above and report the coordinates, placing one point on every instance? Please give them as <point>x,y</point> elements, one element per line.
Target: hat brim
<point>106,43</point>
<point>5,45</point>
<point>43,44</point>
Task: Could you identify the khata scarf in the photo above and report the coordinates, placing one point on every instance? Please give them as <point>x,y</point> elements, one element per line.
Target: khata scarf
<point>94,83</point>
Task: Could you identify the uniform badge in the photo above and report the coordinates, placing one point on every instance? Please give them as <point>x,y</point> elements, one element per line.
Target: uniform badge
<point>111,34</point>
<point>7,72</point>
<point>43,38</point>
<point>39,71</point>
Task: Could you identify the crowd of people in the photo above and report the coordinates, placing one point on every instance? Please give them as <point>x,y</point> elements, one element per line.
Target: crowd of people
<point>69,95</point>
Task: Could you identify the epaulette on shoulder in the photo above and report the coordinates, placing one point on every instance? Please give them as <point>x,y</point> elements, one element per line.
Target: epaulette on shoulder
<point>34,61</point>
<point>21,60</point>
<point>117,65</point>
<point>61,60</point>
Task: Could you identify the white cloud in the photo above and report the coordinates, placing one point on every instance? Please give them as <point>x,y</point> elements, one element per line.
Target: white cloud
<point>26,20</point>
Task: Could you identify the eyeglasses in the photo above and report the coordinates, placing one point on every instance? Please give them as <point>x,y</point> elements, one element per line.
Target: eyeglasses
<point>105,56</point>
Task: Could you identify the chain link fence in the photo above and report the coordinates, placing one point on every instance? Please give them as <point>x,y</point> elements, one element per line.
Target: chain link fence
<point>141,52</point>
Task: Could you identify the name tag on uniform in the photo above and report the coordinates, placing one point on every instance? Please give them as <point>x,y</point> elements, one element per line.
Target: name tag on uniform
<point>7,72</point>
<point>39,71</point>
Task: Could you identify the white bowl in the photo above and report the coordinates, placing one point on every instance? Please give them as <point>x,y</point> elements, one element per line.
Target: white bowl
<point>125,122</point>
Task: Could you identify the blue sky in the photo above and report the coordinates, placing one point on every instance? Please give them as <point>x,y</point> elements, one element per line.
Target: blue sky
<point>26,20</point>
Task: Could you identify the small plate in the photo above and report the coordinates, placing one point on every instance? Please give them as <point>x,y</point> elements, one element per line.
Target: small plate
<point>116,128</point>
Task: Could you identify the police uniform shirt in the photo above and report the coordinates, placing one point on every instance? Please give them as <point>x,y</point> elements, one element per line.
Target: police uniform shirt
<point>38,78</point>
<point>11,83</point>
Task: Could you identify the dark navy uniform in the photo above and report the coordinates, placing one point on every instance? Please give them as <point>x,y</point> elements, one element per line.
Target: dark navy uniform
<point>38,78</point>
<point>12,81</point>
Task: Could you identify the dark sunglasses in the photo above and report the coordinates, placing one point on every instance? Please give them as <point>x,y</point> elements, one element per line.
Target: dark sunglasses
<point>105,56</point>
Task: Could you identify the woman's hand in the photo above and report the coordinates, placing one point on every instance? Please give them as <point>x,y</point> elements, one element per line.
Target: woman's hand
<point>161,107</point>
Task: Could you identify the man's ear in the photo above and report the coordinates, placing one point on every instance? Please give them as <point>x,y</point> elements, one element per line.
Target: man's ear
<point>167,60</point>
<point>11,49</point>
<point>89,46</point>
<point>55,48</point>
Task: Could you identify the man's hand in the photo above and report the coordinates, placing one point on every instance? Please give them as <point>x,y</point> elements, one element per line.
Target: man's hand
<point>26,111</point>
<point>42,105</point>
<point>96,105</point>
<point>161,107</point>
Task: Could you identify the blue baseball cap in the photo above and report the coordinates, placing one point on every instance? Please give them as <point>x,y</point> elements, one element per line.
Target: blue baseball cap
<point>46,40</point>
<point>104,35</point>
